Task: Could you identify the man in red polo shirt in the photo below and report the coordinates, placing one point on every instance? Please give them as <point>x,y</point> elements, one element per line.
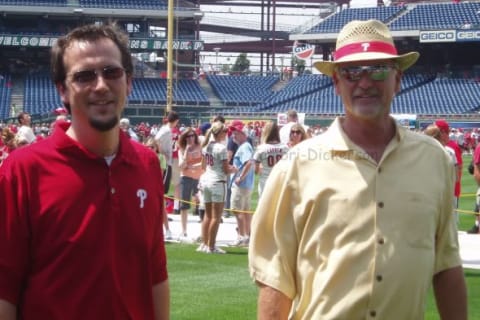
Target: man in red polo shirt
<point>444,136</point>
<point>81,232</point>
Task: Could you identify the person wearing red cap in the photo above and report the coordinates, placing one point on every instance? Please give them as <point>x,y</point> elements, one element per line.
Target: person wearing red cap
<point>81,233</point>
<point>357,223</point>
<point>242,182</point>
<point>446,141</point>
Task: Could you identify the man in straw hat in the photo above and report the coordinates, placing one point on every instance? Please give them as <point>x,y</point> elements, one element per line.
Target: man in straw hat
<point>358,221</point>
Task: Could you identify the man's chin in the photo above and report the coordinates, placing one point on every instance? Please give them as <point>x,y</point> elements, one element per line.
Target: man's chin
<point>104,125</point>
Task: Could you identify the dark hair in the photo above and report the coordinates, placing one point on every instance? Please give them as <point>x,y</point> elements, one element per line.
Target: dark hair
<point>21,115</point>
<point>88,33</point>
<point>182,140</point>
<point>219,118</point>
<point>172,116</point>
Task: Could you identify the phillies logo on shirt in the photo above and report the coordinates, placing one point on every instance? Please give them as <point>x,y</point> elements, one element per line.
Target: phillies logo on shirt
<point>303,50</point>
<point>142,195</point>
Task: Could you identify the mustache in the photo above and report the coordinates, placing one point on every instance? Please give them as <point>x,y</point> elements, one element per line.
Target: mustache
<point>365,92</point>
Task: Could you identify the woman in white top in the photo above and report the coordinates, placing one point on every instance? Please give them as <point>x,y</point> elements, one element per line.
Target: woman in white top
<point>268,153</point>
<point>213,184</point>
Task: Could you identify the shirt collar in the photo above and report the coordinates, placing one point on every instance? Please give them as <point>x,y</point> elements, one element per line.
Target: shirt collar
<point>339,141</point>
<point>66,144</point>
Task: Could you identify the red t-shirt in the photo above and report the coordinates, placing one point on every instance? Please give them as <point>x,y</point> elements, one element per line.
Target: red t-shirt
<point>80,239</point>
<point>458,154</point>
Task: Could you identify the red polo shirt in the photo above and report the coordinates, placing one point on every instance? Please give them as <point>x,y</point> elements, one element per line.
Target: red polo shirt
<point>80,239</point>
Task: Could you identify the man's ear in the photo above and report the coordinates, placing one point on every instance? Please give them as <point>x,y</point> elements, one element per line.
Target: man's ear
<point>335,83</point>
<point>398,81</point>
<point>62,92</point>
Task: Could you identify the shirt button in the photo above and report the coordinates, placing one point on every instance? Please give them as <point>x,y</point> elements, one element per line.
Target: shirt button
<point>381,241</point>
<point>373,313</point>
<point>112,190</point>
<point>379,278</point>
<point>379,170</point>
<point>380,204</point>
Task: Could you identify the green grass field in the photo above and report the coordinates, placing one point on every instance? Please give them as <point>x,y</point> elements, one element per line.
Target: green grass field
<point>218,287</point>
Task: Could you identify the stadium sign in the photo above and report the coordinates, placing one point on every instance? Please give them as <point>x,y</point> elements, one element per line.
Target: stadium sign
<point>437,36</point>
<point>151,44</point>
<point>303,51</point>
<point>468,35</point>
<point>26,41</point>
<point>144,44</point>
<point>449,36</point>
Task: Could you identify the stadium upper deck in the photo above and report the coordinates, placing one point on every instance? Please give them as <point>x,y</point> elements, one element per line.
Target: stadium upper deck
<point>436,87</point>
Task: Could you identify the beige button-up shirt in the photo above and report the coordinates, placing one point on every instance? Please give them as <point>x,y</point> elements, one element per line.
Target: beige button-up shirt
<point>347,238</point>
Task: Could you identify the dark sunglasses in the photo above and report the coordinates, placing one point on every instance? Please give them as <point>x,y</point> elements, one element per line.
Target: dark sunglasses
<point>375,73</point>
<point>295,132</point>
<point>108,73</point>
<point>190,135</point>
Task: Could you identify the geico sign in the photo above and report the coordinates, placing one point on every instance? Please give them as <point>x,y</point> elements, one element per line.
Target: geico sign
<point>468,35</point>
<point>437,36</point>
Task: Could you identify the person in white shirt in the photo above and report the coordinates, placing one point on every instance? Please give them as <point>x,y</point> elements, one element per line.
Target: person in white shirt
<point>268,153</point>
<point>213,184</point>
<point>25,132</point>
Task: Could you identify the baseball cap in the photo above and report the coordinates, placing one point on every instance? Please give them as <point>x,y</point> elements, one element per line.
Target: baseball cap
<point>236,125</point>
<point>442,125</point>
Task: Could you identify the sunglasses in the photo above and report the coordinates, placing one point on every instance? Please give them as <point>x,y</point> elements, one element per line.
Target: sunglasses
<point>190,136</point>
<point>108,73</point>
<point>375,73</point>
<point>295,132</point>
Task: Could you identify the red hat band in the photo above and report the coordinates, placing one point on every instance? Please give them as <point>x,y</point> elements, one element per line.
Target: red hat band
<point>361,47</point>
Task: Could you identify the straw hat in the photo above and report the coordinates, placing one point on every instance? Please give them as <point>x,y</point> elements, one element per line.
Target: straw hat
<point>363,41</point>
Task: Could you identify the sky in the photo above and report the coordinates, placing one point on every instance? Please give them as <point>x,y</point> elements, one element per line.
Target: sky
<point>286,19</point>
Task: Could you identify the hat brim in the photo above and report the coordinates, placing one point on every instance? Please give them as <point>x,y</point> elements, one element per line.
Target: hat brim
<point>404,61</point>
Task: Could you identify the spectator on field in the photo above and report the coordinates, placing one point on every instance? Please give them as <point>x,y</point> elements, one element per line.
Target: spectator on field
<point>190,162</point>
<point>125,127</point>
<point>292,118</point>
<point>362,214</point>
<point>213,185</point>
<point>242,183</point>
<point>268,153</point>
<point>435,132</point>
<point>476,175</point>
<point>446,141</point>
<point>165,144</point>
<point>25,132</point>
<point>81,212</point>
<point>232,148</point>
<point>297,135</point>
<point>7,143</point>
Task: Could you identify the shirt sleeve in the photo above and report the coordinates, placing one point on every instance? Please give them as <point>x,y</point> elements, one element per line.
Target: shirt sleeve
<point>447,247</point>
<point>14,231</point>
<point>159,257</point>
<point>272,252</point>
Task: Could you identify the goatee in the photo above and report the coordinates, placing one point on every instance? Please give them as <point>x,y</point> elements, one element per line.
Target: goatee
<point>104,125</point>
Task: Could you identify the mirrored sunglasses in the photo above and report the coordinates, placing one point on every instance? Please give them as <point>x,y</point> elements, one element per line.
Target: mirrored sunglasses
<point>108,73</point>
<point>375,73</point>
